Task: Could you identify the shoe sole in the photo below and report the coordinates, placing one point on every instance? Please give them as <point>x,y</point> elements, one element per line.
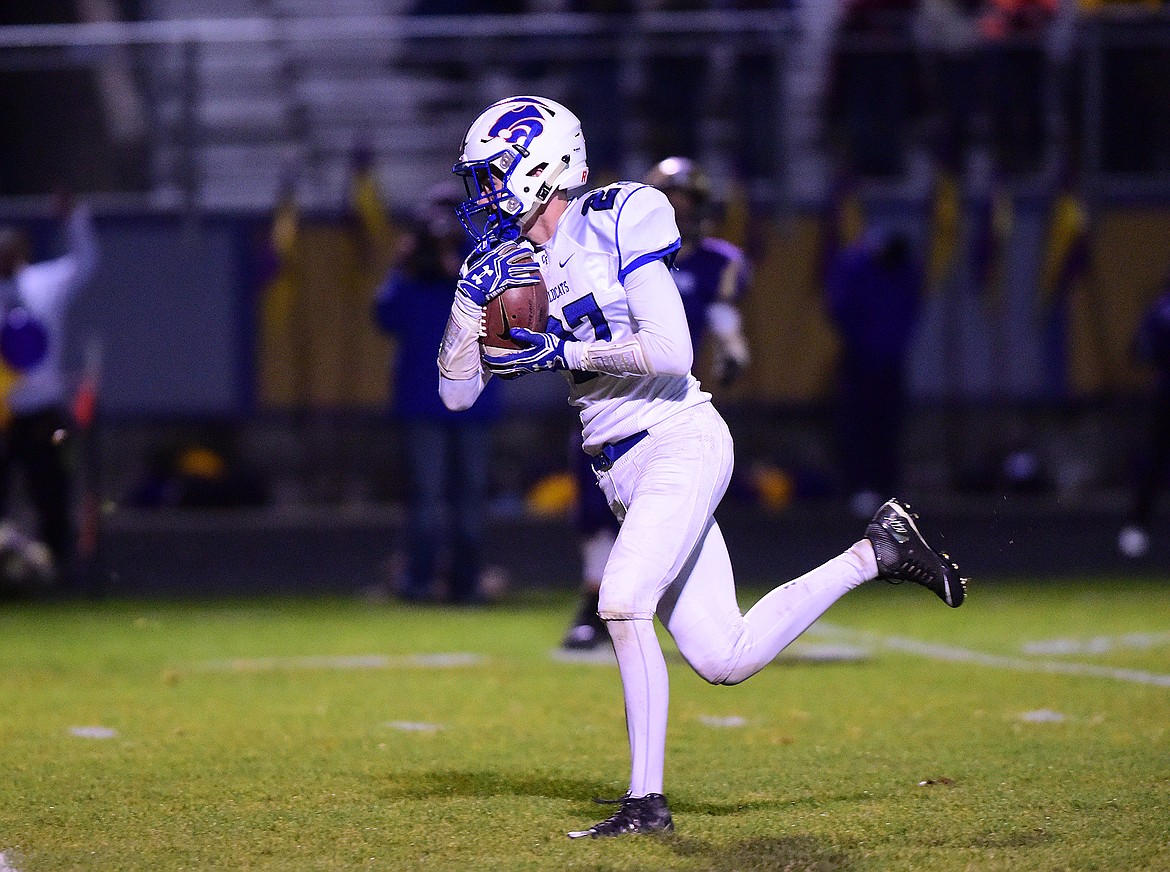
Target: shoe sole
<point>943,558</point>
<point>590,834</point>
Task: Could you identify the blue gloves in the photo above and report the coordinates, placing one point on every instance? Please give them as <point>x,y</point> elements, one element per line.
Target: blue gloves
<point>545,352</point>
<point>486,275</point>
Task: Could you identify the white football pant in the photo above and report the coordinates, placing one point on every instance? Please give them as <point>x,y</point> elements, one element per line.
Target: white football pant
<point>670,559</point>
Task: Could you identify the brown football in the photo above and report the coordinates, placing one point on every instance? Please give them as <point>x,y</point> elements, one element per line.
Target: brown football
<point>517,307</point>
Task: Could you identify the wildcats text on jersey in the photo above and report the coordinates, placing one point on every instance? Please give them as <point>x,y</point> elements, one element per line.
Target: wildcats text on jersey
<point>557,291</point>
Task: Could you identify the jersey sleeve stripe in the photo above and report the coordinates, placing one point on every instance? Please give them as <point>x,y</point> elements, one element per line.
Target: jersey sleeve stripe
<point>649,257</point>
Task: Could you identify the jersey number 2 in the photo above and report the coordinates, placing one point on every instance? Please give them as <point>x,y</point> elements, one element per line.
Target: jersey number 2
<point>599,201</point>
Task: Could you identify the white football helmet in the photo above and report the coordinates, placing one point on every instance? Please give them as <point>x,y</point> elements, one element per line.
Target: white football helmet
<point>515,154</point>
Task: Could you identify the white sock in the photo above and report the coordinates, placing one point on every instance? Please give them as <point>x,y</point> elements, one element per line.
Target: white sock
<point>646,689</point>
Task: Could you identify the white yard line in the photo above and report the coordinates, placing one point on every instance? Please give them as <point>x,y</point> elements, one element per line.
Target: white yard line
<point>362,661</point>
<point>1022,664</point>
<point>408,727</point>
<point>5,866</point>
<point>1097,644</point>
<point>92,733</point>
<point>952,654</point>
<point>866,640</point>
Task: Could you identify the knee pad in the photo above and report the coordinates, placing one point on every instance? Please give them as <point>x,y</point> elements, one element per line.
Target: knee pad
<point>616,607</point>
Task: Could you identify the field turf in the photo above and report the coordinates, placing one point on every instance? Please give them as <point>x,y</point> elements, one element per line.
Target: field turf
<point>1027,730</point>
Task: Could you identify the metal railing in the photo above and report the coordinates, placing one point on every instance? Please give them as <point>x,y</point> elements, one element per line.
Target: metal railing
<point>406,86</point>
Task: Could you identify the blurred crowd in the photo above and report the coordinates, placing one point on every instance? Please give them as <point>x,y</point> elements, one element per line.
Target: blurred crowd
<point>886,79</point>
<point>944,75</point>
<point>889,83</point>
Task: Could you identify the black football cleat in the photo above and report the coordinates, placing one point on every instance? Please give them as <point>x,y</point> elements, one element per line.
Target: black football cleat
<point>903,555</point>
<point>588,631</point>
<point>586,636</point>
<point>643,814</point>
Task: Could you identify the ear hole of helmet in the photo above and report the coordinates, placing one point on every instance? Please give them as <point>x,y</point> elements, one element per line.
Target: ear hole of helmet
<point>535,173</point>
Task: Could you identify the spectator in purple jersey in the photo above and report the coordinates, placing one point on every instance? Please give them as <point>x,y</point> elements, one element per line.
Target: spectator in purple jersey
<point>874,291</point>
<point>712,275</point>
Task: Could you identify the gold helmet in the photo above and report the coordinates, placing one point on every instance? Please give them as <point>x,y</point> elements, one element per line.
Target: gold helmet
<point>680,174</point>
<point>677,176</point>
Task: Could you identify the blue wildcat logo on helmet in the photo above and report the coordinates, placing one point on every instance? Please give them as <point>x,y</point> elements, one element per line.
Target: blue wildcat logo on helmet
<point>515,155</point>
<point>519,125</point>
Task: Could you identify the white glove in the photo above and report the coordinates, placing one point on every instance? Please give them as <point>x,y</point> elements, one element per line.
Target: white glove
<point>732,356</point>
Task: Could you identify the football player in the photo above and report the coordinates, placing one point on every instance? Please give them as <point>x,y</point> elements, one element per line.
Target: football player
<point>661,453</point>
<point>711,275</point>
<point>36,298</point>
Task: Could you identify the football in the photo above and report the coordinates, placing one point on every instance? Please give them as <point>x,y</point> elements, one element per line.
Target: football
<point>517,307</point>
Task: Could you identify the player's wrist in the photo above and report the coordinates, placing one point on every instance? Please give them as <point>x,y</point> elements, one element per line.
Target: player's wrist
<point>466,312</point>
<point>574,353</point>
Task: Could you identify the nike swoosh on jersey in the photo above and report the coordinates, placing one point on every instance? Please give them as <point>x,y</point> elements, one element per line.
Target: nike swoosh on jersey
<point>566,260</point>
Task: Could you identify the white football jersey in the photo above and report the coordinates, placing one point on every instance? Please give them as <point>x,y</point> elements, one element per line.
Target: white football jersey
<point>601,238</point>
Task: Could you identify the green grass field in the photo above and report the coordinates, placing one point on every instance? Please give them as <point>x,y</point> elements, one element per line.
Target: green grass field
<point>324,734</point>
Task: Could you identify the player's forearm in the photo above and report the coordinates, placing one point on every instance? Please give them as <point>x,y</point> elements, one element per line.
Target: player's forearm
<point>625,358</point>
<point>458,395</point>
<point>461,374</point>
<point>662,345</point>
<point>727,327</point>
<point>640,354</point>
